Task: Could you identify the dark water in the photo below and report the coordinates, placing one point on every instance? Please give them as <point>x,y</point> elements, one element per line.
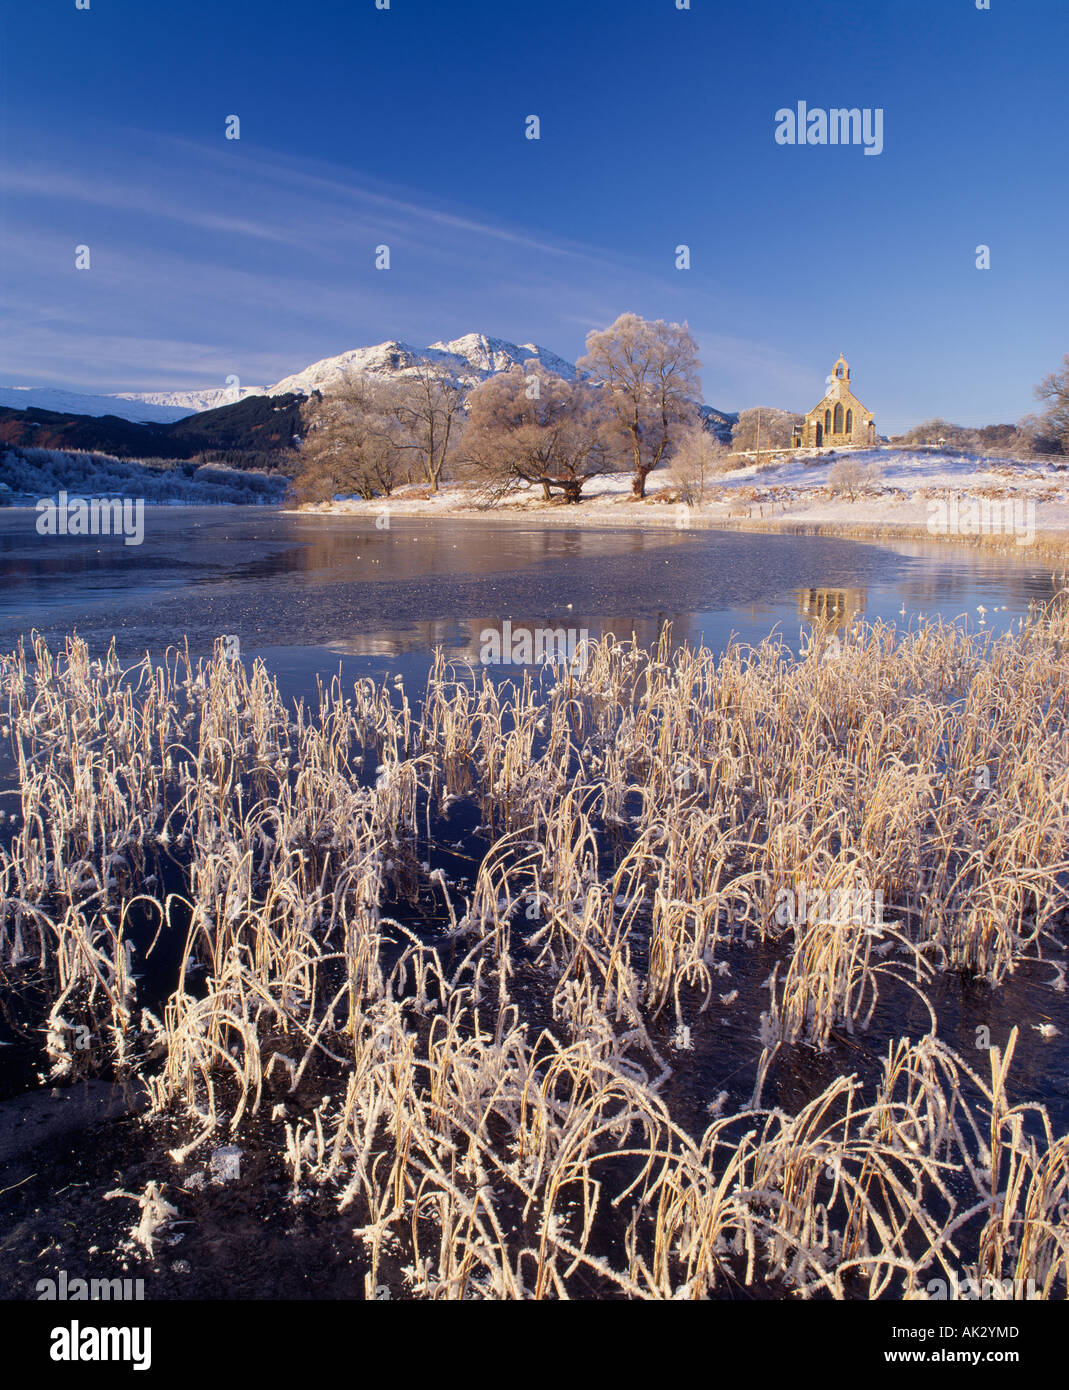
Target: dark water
<point>309,592</point>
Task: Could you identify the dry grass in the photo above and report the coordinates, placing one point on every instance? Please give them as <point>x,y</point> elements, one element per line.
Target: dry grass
<point>480,1072</point>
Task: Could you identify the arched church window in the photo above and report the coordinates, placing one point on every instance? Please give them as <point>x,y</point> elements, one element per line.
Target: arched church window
<point>838,420</point>
<point>827,422</point>
<point>849,422</point>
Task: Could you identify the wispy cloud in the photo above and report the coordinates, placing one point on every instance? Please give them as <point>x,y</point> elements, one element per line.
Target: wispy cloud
<point>338,190</point>
<point>209,262</point>
<point>121,198</point>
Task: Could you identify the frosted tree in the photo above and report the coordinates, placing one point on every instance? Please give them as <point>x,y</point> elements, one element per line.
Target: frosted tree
<point>351,444</point>
<point>696,456</point>
<point>851,478</point>
<point>428,409</point>
<point>943,433</point>
<point>1054,389</point>
<point>765,426</point>
<point>651,372</point>
<point>529,426</point>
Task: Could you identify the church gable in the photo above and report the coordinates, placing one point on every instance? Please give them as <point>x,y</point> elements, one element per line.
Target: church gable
<point>839,418</point>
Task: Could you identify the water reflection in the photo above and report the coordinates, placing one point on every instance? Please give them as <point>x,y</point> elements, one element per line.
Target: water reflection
<point>412,548</point>
<point>464,641</point>
<point>307,591</point>
<point>832,608</point>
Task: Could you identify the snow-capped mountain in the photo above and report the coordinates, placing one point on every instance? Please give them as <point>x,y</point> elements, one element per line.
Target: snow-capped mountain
<point>130,407</point>
<point>470,359</point>
<point>141,407</point>
<point>193,402</point>
<point>487,356</point>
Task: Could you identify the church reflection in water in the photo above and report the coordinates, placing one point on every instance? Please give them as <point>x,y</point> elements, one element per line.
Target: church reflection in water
<point>832,608</point>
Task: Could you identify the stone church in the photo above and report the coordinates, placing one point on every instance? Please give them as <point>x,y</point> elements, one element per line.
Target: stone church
<point>839,418</point>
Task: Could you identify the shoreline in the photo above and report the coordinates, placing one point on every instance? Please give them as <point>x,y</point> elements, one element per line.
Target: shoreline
<point>895,495</point>
<point>1050,542</point>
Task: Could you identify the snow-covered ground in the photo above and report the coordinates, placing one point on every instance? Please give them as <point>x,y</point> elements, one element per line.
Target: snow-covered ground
<point>901,494</point>
<point>903,489</point>
<point>28,476</point>
<point>899,469</point>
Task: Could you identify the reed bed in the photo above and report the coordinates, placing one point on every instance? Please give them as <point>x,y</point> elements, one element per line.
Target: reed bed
<point>259,911</point>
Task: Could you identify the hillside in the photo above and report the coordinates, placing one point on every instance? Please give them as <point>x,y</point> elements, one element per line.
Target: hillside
<point>257,432</point>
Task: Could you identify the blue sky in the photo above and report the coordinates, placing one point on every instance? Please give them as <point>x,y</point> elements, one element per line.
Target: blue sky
<point>360,126</point>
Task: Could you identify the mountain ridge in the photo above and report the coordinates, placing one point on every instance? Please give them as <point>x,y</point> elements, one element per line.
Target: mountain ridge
<point>471,358</point>
<point>261,422</point>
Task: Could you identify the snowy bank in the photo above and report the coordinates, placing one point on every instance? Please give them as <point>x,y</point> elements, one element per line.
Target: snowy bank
<point>903,493</point>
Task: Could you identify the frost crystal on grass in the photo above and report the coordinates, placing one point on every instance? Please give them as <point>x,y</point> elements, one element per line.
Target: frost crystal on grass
<point>156,1213</point>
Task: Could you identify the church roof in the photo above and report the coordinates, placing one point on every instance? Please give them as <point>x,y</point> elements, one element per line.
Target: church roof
<point>839,388</point>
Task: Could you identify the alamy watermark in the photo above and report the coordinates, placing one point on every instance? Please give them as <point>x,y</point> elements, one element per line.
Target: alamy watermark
<point>841,125</point>
<point>95,516</point>
<point>983,516</point>
<point>953,1289</point>
<point>525,646</point>
<point>64,1289</point>
<point>855,905</point>
<point>78,1343</point>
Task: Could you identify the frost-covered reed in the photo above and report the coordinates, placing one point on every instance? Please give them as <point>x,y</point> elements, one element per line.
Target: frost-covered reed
<point>479,1068</point>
